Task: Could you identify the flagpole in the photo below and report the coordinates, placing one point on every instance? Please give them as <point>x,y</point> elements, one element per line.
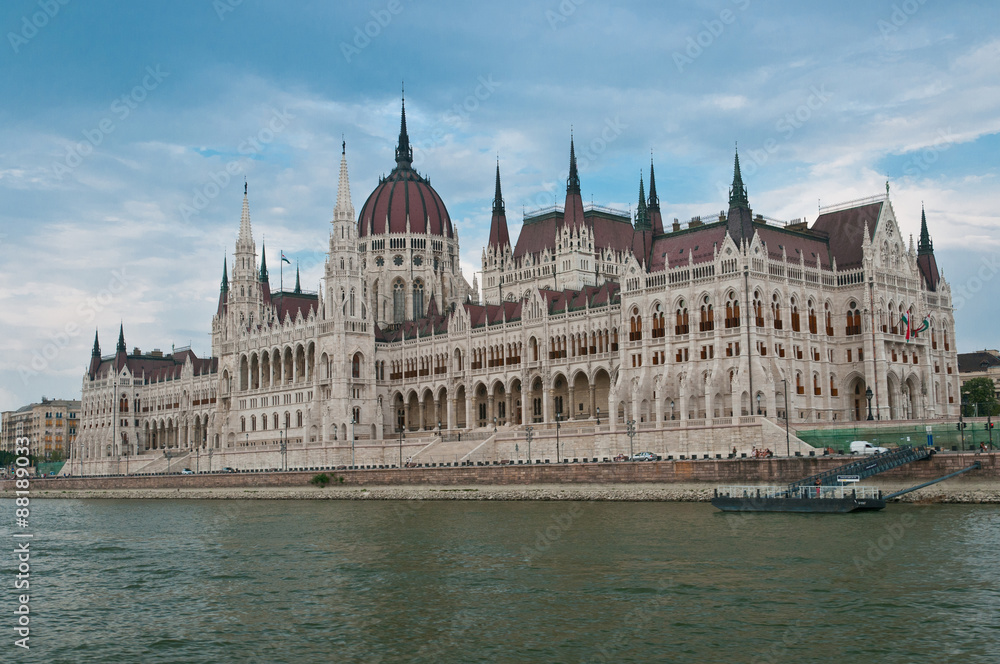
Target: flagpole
<point>281,271</point>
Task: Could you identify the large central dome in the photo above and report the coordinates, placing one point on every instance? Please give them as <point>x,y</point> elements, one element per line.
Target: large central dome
<point>404,197</point>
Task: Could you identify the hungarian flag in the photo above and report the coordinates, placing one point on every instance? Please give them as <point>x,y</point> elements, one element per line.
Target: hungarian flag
<point>285,260</point>
<point>924,325</point>
<point>905,323</point>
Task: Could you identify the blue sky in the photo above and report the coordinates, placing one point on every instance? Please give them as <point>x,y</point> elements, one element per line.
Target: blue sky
<point>118,120</point>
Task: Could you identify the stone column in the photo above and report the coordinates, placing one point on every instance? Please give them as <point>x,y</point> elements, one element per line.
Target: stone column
<point>571,405</point>
<point>547,405</point>
<point>422,423</point>
<point>508,401</point>
<point>526,412</point>
<point>489,410</point>
<point>593,403</point>
<point>470,406</point>
<point>451,413</point>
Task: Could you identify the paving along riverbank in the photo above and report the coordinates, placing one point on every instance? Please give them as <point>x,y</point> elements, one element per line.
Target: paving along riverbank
<point>650,481</point>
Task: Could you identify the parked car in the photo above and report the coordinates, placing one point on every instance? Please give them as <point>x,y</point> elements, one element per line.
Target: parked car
<point>644,456</point>
<point>864,447</point>
<point>227,469</point>
<point>187,471</point>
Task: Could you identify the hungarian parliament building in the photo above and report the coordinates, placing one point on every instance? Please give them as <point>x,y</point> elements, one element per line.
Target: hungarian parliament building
<point>591,315</point>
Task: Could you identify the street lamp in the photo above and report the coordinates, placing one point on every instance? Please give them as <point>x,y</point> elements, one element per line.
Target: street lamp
<point>558,425</point>
<point>630,430</point>
<point>869,395</point>
<point>167,454</point>
<point>671,409</point>
<point>352,441</point>
<point>788,444</point>
<point>283,444</point>
<point>399,430</point>
<point>758,403</point>
<point>528,432</point>
<point>494,425</point>
<point>598,416</point>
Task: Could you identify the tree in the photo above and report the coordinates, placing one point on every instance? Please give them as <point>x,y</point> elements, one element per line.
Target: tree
<point>979,397</point>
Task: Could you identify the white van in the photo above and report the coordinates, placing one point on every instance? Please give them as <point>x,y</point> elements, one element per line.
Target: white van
<point>864,447</point>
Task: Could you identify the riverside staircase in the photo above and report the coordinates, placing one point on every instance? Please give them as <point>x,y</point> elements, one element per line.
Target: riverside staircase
<point>865,467</point>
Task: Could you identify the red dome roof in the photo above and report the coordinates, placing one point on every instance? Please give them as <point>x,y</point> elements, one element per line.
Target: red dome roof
<point>404,195</point>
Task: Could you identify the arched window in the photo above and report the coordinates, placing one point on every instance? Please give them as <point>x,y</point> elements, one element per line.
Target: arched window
<point>758,310</point>
<point>275,420</point>
<point>298,418</point>
<point>853,319</point>
<point>732,311</point>
<point>418,299</point>
<point>776,311</point>
<point>707,316</point>
<point>398,301</point>
<point>288,420</point>
<point>356,366</point>
<point>243,424</point>
<point>263,422</point>
<point>635,325</point>
<point>795,315</point>
<point>812,318</point>
<point>352,303</point>
<point>682,325</point>
<point>253,423</point>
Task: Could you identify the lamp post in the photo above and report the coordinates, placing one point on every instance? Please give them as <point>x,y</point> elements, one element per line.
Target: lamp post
<point>630,431</point>
<point>961,415</point>
<point>528,432</point>
<point>788,444</point>
<point>167,454</point>
<point>598,416</point>
<point>210,451</point>
<point>399,430</point>
<point>126,463</point>
<point>494,425</point>
<point>352,441</point>
<point>671,409</point>
<point>558,425</point>
<point>869,395</point>
<point>283,444</point>
<point>758,404</point>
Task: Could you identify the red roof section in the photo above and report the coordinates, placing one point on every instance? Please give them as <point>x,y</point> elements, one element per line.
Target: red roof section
<point>845,228</point>
<point>675,247</point>
<point>795,245</point>
<point>404,194</point>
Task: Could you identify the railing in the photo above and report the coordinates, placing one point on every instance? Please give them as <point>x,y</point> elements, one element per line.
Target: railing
<point>823,492</point>
<point>877,198</point>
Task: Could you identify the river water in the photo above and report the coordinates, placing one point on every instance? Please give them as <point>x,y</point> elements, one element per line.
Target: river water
<point>467,581</point>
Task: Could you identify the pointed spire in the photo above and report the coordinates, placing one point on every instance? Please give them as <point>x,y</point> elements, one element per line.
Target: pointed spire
<point>97,346</point>
<point>654,200</point>
<point>655,219</point>
<point>738,192</point>
<point>298,287</point>
<point>499,236</point>
<point>121,338</point>
<point>263,264</point>
<point>225,276</point>
<point>344,209</point>
<point>404,153</point>
<point>925,246</point>
<point>642,215</point>
<point>573,181</point>
<point>246,234</point>
<point>497,196</point>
